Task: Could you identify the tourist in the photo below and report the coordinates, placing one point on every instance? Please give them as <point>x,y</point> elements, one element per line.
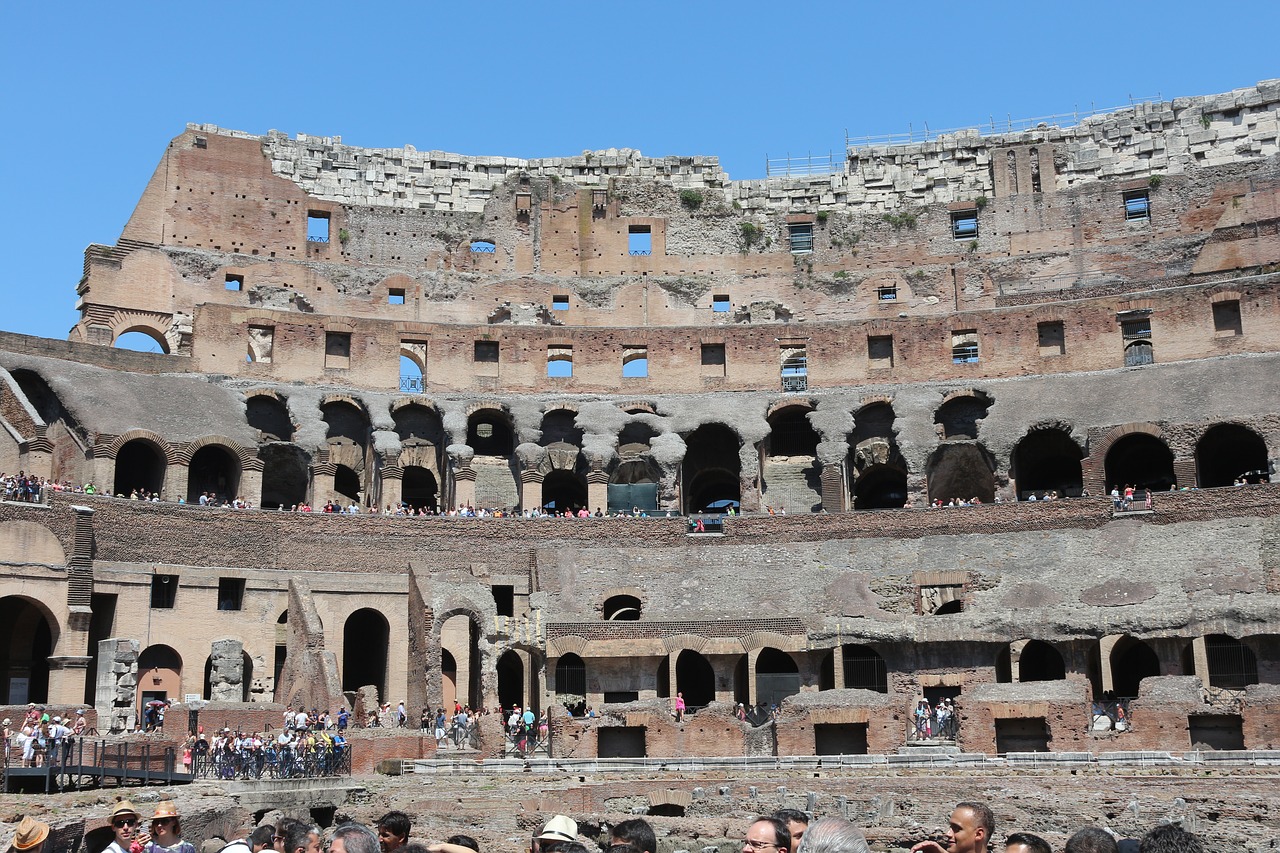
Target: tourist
<point>797,822</point>
<point>635,832</point>
<point>1170,838</point>
<point>166,831</point>
<point>124,825</point>
<point>969,830</point>
<point>1091,839</point>
<point>353,838</point>
<point>832,835</point>
<point>766,835</point>
<point>393,831</point>
<point>556,835</point>
<point>29,837</point>
<point>1025,842</point>
<point>680,708</point>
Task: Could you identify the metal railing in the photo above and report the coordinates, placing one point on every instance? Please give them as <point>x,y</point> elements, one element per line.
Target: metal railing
<point>1224,698</point>
<point>929,728</point>
<point>272,762</point>
<point>411,384</point>
<point>526,743</point>
<point>801,166</point>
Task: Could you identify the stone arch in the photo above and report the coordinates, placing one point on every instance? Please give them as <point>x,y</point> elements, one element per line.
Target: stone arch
<point>1140,459</point>
<point>622,606</point>
<point>29,634</point>
<point>150,330</point>
<point>420,489</point>
<point>268,413</point>
<point>490,431</point>
<point>571,679</point>
<point>1232,664</point>
<point>1048,459</point>
<point>711,470</point>
<point>961,470</point>
<point>510,673</point>
<point>366,637</point>
<point>1131,661</point>
<point>29,542</point>
<point>1039,661</point>
<point>568,644</point>
<point>345,417</point>
<point>285,475</point>
<point>214,464</point>
<point>695,678</point>
<point>140,464</point>
<point>961,412</point>
<point>417,419</point>
<point>777,675</point>
<point>456,632</point>
<point>676,642</point>
<point>864,668</point>
<point>638,407</point>
<point>789,458</point>
<point>159,674</point>
<point>560,426</point>
<point>1230,451</point>
<point>879,473</point>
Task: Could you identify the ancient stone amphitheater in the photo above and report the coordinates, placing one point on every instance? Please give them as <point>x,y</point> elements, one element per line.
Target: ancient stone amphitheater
<point>758,390</point>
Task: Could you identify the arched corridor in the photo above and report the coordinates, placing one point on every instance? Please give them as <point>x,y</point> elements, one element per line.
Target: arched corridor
<point>26,641</point>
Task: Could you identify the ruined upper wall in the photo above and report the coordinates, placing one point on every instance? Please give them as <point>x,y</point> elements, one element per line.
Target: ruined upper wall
<point>1145,139</point>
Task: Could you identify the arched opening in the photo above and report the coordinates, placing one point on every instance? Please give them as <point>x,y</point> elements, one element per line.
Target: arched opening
<point>284,475</point>
<point>1040,661</point>
<point>26,641</point>
<point>448,678</point>
<point>959,416</point>
<point>864,669</point>
<point>664,678</point>
<point>622,608</point>
<point>880,487</point>
<point>789,472</point>
<point>564,490</point>
<point>282,648</point>
<point>695,679</point>
<point>345,420</point>
<point>791,434</point>
<point>419,489</point>
<point>410,375</point>
<point>1232,664</point>
<point>947,608</point>
<point>777,676</point>
<point>270,417</point>
<point>1227,453</point>
<point>346,483</point>
<point>510,680</point>
<point>415,423</point>
<point>141,339</point>
<point>571,682</point>
<point>1048,460</point>
<point>560,425</point>
<point>666,809</point>
<point>460,638</point>
<point>1131,661</point>
<point>1142,461</point>
<point>159,675</point>
<point>489,433</point>
<point>711,471</point>
<point>961,471</point>
<point>140,467</point>
<point>365,640</point>
<point>213,469</point>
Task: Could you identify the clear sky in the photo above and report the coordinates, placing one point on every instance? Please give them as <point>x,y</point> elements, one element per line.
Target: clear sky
<point>93,92</point>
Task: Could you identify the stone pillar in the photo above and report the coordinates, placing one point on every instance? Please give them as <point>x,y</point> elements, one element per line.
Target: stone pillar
<point>752,657</point>
<point>1184,471</point>
<point>1200,656</point>
<point>226,672</point>
<point>117,687</point>
<point>251,486</point>
<point>672,681</point>
<point>392,486</point>
<point>530,489</point>
<point>1105,647</point>
<point>835,497</point>
<point>66,678</point>
<point>597,490</point>
<point>465,480</point>
<point>1015,660</point>
<point>837,667</point>
<point>175,482</point>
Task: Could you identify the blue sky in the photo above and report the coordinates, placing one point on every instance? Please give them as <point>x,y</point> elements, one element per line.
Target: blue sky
<point>94,92</point>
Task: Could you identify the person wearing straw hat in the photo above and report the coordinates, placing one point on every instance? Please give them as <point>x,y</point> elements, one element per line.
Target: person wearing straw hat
<point>30,836</point>
<point>166,831</point>
<point>124,823</point>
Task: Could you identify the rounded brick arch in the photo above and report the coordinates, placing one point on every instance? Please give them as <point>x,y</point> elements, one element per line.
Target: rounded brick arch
<point>416,400</point>
<point>1116,433</point>
<point>807,403</point>
<point>680,642</point>
<point>561,407</point>
<point>978,394</point>
<point>266,392</point>
<point>488,406</point>
<point>328,399</point>
<point>157,328</point>
<point>768,639</point>
<point>567,645</point>
<point>645,405</point>
<point>168,451</point>
<point>874,399</point>
<point>246,455</point>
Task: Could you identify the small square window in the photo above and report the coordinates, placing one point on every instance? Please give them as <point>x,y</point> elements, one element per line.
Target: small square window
<point>317,226</point>
<point>504,599</point>
<point>230,593</point>
<point>486,352</point>
<point>1052,338</point>
<point>1136,329</point>
<point>880,350</point>
<point>164,591</point>
<point>964,346</point>
<point>395,296</point>
<point>713,360</point>
<point>800,236</point>
<point>235,282</point>
<point>1137,205</point>
<point>964,224</point>
<point>720,303</point>
<point>639,240</point>
<point>560,303</point>
<point>795,368</point>
<point>337,344</point>
<point>887,292</point>
<point>1226,319</point>
<point>559,361</point>
<point>635,362</point>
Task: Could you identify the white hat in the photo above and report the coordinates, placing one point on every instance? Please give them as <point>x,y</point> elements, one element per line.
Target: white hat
<point>560,828</point>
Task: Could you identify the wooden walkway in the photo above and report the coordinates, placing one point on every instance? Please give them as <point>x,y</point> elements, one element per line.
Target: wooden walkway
<point>96,765</point>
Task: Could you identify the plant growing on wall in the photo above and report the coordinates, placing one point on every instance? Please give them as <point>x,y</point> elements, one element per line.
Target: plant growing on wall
<point>1155,181</point>
<point>343,236</point>
<point>901,220</point>
<point>691,199</point>
<point>823,216</point>
<point>750,234</point>
<point>980,202</point>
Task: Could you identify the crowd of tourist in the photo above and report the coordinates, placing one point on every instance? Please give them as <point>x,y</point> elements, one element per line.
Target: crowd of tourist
<point>41,738</point>
<point>970,829</point>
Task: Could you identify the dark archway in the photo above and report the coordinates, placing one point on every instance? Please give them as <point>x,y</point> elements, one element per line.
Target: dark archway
<point>1131,661</point>
<point>777,676</point>
<point>1040,661</point>
<point>416,423</point>
<point>345,420</point>
<point>962,470</point>
<point>346,482</point>
<point>791,434</point>
<point>560,425</point>
<point>1232,664</point>
<point>1142,461</point>
<point>1229,452</point>
<point>26,641</point>
<point>563,490</point>
<point>489,433</point>
<point>213,469</point>
<point>864,669</point>
<point>284,475</point>
<point>1048,460</point>
<point>695,679</point>
<point>510,680</point>
<point>46,401</point>
<point>880,487</point>
<point>270,417</point>
<point>959,416</point>
<point>571,680</point>
<point>711,471</point>
<point>365,640</point>
<point>419,489</point>
<point>621,608</point>
<point>140,466</point>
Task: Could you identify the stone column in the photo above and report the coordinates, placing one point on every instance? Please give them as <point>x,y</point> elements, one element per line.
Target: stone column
<point>1105,647</point>
<point>465,492</point>
<point>597,490</point>
<point>834,494</point>
<point>226,673</point>
<point>176,477</point>
<point>251,486</point>
<point>837,667</point>
<point>530,489</point>
<point>752,657</point>
<point>1200,656</point>
<point>117,687</point>
<point>392,486</point>
<point>66,678</point>
<point>672,681</point>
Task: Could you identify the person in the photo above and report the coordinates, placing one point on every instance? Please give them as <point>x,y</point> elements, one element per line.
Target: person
<point>166,831</point>
<point>797,822</point>
<point>30,836</point>
<point>969,830</point>
<point>1170,838</point>
<point>556,834</point>
<point>393,831</point>
<point>1025,842</point>
<point>440,728</point>
<point>636,832</point>
<point>832,835</point>
<point>260,838</point>
<point>680,707</point>
<point>767,834</point>
<point>402,717</point>
<point>1091,839</point>
<point>124,825</point>
<point>353,838</point>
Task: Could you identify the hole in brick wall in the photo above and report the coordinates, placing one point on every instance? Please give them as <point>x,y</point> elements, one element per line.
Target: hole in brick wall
<point>1028,734</point>
<point>840,738</point>
<point>1216,731</point>
<point>317,226</point>
<point>621,742</point>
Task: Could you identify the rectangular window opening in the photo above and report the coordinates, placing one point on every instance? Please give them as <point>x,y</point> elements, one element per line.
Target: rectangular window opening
<point>337,349</point>
<point>230,593</point>
<point>964,224</point>
<point>800,237</point>
<point>1137,205</point>
<point>261,344</point>
<point>1052,338</point>
<point>395,296</point>
<point>164,591</point>
<point>504,598</point>
<point>1226,319</point>
<point>795,369</point>
<point>486,352</point>
<point>235,282</point>
<point>639,240</point>
<point>560,303</point>
<point>559,361</point>
<point>887,292</point>
<point>720,303</point>
<point>317,226</point>
<point>880,350</point>
<point>964,346</point>
<point>713,355</point>
<point>635,362</point>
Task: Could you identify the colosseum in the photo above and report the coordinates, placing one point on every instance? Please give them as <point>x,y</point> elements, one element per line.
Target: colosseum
<point>887,403</point>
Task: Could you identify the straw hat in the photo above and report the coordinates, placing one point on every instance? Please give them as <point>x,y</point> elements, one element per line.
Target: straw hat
<point>165,808</point>
<point>7,722</point>
<point>123,807</point>
<point>31,833</point>
<point>560,828</point>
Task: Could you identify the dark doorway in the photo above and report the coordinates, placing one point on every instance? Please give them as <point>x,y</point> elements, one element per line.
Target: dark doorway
<point>213,469</point>
<point>621,742</point>
<point>1040,661</point>
<point>880,487</point>
<point>364,651</point>
<point>962,471</point>
<point>270,417</point>
<point>777,676</point>
<point>791,434</point>
<point>864,669</point>
<point>1142,461</point>
<point>510,680</point>
<point>140,466</point>
<point>564,490</point>
<point>840,739</point>
<point>1029,734</point>
<point>419,489</point>
<point>26,641</point>
<point>284,475</point>
<point>1230,452</point>
<point>346,482</point>
<point>711,469</point>
<point>1131,661</point>
<point>1048,460</point>
<point>695,679</point>
<point>1216,731</point>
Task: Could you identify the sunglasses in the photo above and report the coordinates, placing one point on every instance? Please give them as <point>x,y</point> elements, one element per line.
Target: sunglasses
<point>121,823</point>
<point>161,821</point>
